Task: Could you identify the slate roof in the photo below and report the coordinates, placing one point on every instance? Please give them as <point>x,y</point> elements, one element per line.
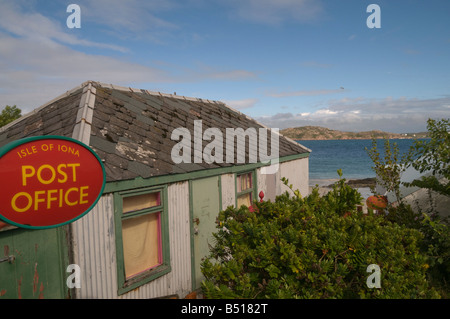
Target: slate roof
<point>131,129</point>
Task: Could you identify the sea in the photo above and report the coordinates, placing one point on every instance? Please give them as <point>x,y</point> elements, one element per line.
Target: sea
<point>350,156</point>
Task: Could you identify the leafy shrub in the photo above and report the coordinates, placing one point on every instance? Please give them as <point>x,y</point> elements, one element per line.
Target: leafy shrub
<point>313,247</point>
<point>432,155</point>
<point>435,243</point>
<point>428,155</point>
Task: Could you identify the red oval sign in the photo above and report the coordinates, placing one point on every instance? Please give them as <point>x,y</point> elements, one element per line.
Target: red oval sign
<point>48,181</point>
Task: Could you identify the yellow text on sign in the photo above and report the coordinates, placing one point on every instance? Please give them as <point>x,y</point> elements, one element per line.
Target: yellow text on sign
<point>61,171</point>
<point>48,199</point>
<point>51,198</point>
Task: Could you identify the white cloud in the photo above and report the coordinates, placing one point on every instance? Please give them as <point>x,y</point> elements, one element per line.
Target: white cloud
<point>241,104</point>
<point>395,115</point>
<point>131,19</point>
<point>33,25</point>
<point>325,112</point>
<point>31,73</point>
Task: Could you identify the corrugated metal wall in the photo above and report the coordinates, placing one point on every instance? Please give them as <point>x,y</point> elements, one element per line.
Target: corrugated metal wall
<point>94,250</point>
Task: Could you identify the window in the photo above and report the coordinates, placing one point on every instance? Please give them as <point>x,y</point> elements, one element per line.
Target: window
<point>142,238</point>
<point>244,189</point>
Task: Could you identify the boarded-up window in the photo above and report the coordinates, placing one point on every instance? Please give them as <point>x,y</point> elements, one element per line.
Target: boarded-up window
<point>244,189</point>
<point>141,233</point>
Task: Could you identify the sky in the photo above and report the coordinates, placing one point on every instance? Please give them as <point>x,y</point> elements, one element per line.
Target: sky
<point>286,63</point>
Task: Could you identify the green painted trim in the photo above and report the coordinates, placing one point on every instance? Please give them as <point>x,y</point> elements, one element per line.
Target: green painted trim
<point>118,207</point>
<point>165,235</point>
<point>253,190</point>
<point>10,146</point>
<point>220,192</point>
<point>153,209</point>
<point>125,286</point>
<point>191,224</point>
<point>235,190</point>
<point>66,255</point>
<point>255,186</point>
<point>293,157</point>
<point>139,182</point>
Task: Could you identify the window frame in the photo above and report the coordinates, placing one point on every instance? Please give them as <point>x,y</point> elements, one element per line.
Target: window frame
<point>251,190</point>
<point>124,284</point>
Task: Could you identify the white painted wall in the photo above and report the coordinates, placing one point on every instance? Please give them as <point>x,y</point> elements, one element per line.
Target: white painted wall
<point>228,190</point>
<point>297,171</point>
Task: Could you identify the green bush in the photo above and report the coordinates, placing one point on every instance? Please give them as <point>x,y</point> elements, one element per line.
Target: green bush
<point>313,247</point>
<point>424,155</point>
<point>435,243</point>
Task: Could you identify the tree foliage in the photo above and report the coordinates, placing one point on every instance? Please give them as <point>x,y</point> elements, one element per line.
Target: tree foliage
<point>432,155</point>
<point>388,168</point>
<point>9,114</point>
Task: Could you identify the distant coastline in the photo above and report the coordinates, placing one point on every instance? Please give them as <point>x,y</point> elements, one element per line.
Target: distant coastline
<point>363,185</point>
<point>354,182</point>
<point>348,155</point>
<point>304,133</point>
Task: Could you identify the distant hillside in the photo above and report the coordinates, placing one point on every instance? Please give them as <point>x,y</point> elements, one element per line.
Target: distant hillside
<point>322,133</point>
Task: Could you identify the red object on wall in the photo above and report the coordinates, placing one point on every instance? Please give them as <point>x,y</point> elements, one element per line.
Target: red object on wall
<point>261,196</point>
<point>48,181</point>
<point>377,202</point>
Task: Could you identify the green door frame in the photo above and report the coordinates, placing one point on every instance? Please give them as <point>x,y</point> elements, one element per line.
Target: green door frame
<point>191,218</point>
